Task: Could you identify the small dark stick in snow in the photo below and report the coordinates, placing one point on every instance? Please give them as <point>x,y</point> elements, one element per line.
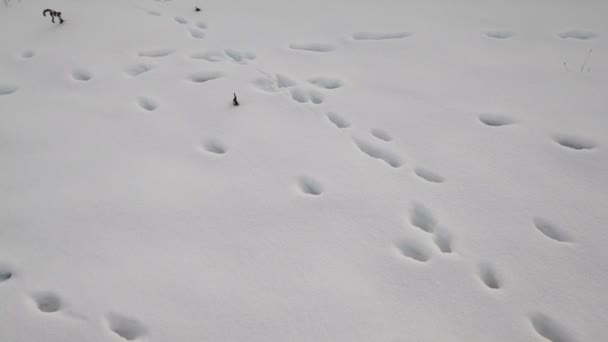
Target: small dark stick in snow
<point>235,101</point>
<point>53,15</point>
<point>196,9</point>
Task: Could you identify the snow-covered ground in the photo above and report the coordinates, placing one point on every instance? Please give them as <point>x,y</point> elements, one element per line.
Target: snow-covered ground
<point>396,171</point>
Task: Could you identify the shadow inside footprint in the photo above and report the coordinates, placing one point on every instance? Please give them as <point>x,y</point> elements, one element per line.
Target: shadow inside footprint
<point>574,142</point>
<point>428,175</point>
<point>5,275</point>
<point>552,231</point>
<point>338,120</point>
<point>27,54</point>
<point>310,186</point>
<point>214,146</point>
<point>495,120</point>
<point>422,218</point>
<point>126,327</point>
<point>205,76</point>
<point>549,328</point>
<point>578,34</point>
<point>138,69</point>
<point>489,277</point>
<point>47,301</point>
<point>381,134</point>
<point>499,34</point>
<point>82,75</point>
<point>413,251</point>
<point>313,47</point>
<point>7,89</point>
<point>147,103</point>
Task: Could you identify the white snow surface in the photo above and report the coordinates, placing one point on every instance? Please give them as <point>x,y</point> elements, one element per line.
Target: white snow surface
<point>396,171</point>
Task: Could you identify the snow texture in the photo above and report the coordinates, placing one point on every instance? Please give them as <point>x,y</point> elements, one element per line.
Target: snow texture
<point>396,171</point>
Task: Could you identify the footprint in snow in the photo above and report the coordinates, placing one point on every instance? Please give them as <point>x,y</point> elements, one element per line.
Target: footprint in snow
<point>578,34</point>
<point>128,328</point>
<point>47,302</point>
<point>574,142</point>
<point>180,20</point>
<point>27,54</point>
<point>495,120</point>
<point>147,103</point>
<point>210,56</point>
<point>381,134</point>
<point>240,56</point>
<point>196,33</point>
<point>378,152</point>
<point>7,89</point>
<point>489,277</point>
<point>205,76</point>
<point>422,217</point>
<point>82,75</point>
<point>413,250</point>
<point>213,146</point>
<point>337,120</point>
<point>138,69</point>
<point>380,35</point>
<point>428,175</point>
<point>498,34</point>
<point>312,47</point>
<point>549,328</point>
<point>309,186</point>
<point>301,95</point>
<point>443,240</point>
<point>551,230</point>
<point>5,274</point>
<point>326,82</point>
<point>156,53</point>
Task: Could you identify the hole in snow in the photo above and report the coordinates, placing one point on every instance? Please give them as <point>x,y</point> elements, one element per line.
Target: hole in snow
<point>128,328</point>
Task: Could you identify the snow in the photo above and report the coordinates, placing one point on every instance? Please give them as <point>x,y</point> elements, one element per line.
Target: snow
<point>396,171</point>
